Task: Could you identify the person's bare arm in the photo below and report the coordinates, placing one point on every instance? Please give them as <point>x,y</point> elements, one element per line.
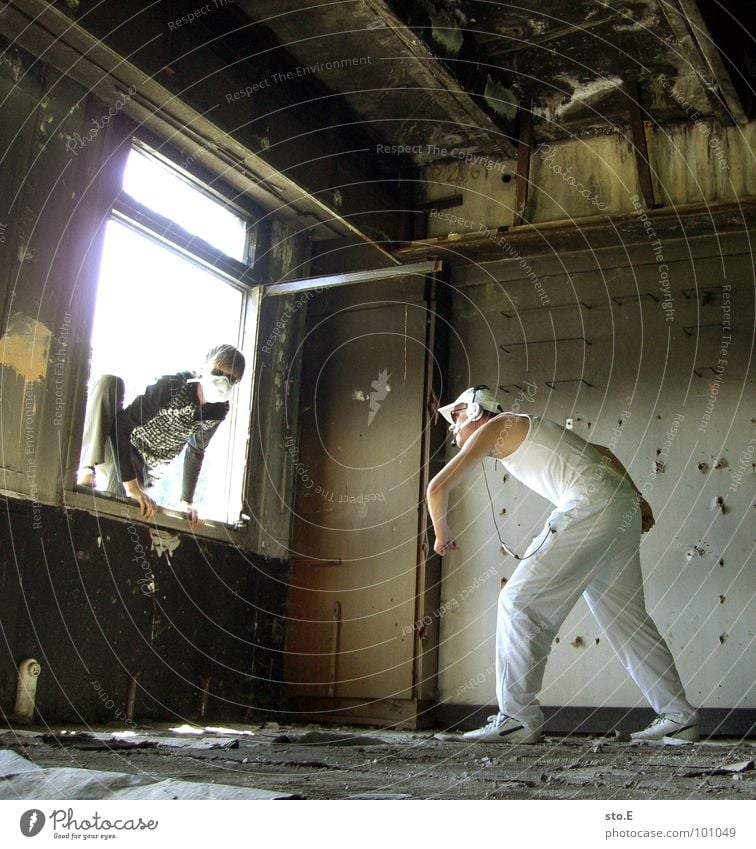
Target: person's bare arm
<point>498,437</point>
<point>647,515</point>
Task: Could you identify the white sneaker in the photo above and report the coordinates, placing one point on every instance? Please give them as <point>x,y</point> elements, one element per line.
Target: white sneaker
<point>504,729</point>
<point>664,726</point>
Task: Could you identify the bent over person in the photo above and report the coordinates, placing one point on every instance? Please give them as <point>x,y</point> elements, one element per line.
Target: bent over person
<point>589,547</point>
<point>130,446</point>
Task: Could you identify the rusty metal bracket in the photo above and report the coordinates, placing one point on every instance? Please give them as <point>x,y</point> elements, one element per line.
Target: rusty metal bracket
<point>505,346</point>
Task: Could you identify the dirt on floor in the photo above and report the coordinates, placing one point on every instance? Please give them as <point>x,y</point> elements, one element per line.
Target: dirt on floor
<point>317,762</point>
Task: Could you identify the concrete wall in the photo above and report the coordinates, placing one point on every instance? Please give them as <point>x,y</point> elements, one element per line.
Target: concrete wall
<point>97,601</point>
<point>703,162</point>
<point>671,392</point>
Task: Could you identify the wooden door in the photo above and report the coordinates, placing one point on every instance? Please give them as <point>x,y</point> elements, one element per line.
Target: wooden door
<point>352,643</point>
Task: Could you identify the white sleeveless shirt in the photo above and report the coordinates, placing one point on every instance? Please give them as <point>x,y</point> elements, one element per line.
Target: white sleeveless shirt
<point>564,468</point>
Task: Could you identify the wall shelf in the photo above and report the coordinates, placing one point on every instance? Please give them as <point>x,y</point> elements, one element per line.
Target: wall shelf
<point>623,299</point>
<point>548,308</point>
<point>701,292</point>
<point>688,331</point>
<point>505,346</point>
<point>552,384</point>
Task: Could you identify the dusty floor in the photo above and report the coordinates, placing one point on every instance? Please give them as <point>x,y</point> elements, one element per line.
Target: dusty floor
<point>318,762</point>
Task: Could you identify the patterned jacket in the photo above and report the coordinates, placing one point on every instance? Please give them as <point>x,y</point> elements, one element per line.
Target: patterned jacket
<point>158,424</point>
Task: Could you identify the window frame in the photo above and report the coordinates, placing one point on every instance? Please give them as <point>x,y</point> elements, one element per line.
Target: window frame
<point>128,212</point>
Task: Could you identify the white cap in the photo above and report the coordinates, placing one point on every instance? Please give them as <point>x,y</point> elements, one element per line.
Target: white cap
<point>480,395</point>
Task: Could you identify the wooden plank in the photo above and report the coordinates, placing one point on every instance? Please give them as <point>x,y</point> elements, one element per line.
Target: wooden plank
<point>522,179</point>
<point>442,203</point>
<point>548,237</point>
<point>349,278</point>
<point>638,139</point>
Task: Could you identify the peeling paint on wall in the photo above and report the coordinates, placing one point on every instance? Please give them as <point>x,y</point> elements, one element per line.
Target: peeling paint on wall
<point>503,101</point>
<point>446,33</point>
<point>582,93</point>
<point>639,19</point>
<point>26,346</point>
<point>14,62</point>
<point>164,542</point>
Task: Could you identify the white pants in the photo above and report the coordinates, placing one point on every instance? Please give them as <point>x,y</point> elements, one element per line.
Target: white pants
<point>587,555</point>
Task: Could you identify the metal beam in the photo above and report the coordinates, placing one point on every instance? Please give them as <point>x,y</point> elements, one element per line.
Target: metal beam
<point>332,280</point>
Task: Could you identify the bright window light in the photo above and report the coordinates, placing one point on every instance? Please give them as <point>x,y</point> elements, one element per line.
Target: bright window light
<point>163,190</point>
<point>159,313</point>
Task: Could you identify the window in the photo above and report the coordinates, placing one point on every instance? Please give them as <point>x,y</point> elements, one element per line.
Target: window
<point>164,300</point>
<point>164,190</point>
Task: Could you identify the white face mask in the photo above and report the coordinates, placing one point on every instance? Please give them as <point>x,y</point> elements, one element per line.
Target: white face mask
<point>215,389</point>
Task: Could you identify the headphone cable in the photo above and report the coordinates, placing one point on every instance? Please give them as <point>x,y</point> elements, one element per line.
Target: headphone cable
<point>504,546</point>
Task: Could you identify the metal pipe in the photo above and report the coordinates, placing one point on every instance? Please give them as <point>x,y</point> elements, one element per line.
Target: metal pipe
<point>26,691</point>
<point>205,694</point>
<point>131,695</point>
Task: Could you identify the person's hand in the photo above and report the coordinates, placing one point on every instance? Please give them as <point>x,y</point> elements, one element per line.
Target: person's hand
<point>647,516</point>
<point>443,546</point>
<point>147,506</point>
<point>195,520</point>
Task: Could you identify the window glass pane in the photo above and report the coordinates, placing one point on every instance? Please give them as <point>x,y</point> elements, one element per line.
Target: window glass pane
<point>159,313</point>
<point>161,189</point>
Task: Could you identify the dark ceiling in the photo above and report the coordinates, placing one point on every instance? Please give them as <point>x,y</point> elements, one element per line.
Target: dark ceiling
<point>448,73</point>
<point>289,100</point>
<point>432,75</point>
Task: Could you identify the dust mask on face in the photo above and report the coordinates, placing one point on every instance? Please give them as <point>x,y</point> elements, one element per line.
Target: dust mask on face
<point>215,389</point>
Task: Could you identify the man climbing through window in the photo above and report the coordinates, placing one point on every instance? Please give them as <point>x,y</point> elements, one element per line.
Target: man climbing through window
<point>130,446</point>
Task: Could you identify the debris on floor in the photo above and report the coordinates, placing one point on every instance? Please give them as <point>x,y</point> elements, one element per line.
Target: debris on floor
<point>22,779</point>
<point>338,762</point>
<point>728,769</point>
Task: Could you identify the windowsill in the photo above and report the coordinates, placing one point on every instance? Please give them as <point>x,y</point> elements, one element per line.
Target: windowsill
<point>112,506</point>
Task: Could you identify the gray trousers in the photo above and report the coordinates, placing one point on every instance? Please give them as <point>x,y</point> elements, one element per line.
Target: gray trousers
<point>99,444</point>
